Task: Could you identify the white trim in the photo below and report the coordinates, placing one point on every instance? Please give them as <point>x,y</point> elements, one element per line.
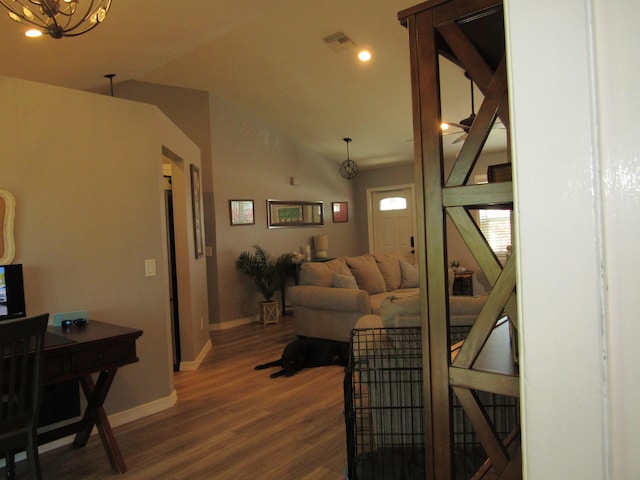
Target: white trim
<point>218,327</point>
<point>195,364</point>
<point>115,420</point>
<point>141,411</point>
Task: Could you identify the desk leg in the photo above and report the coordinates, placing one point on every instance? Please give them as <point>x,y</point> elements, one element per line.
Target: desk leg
<point>95,393</point>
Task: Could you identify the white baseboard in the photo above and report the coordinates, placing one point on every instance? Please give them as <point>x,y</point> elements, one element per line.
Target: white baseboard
<point>115,420</point>
<point>142,411</point>
<point>195,364</point>
<point>216,327</point>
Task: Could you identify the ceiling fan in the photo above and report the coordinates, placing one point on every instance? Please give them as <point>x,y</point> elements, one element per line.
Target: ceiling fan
<point>465,123</point>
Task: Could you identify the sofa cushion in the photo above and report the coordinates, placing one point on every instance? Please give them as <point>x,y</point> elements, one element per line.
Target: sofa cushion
<point>400,312</point>
<point>389,266</point>
<point>410,276</point>
<point>321,273</point>
<point>340,280</point>
<point>368,276</point>
<point>378,298</point>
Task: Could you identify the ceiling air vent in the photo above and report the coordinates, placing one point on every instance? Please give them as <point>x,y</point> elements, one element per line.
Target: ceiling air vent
<point>338,42</point>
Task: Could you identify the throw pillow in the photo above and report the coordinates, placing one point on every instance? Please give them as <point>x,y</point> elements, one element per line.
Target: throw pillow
<point>312,273</point>
<point>320,273</point>
<point>389,266</point>
<point>410,275</point>
<point>365,269</point>
<point>344,281</point>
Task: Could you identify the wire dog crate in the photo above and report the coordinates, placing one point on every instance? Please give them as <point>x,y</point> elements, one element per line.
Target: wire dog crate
<point>384,409</point>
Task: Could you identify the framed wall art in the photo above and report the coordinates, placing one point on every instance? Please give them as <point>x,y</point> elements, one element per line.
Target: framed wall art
<point>241,212</point>
<point>294,214</point>
<point>196,204</point>
<point>340,211</point>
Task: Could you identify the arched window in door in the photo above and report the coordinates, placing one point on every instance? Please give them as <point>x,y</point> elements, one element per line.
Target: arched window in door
<point>389,204</point>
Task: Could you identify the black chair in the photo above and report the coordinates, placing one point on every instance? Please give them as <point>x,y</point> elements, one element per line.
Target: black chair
<point>21,345</point>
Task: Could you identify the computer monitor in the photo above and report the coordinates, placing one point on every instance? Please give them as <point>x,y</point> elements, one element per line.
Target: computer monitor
<point>12,303</point>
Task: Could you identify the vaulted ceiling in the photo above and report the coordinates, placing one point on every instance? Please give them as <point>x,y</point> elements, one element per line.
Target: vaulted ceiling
<point>268,57</point>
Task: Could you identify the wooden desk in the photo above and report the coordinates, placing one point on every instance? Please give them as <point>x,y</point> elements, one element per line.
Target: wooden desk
<point>76,353</point>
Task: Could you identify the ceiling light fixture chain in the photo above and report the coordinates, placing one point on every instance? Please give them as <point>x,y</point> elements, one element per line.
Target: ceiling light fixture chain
<point>469,120</point>
<point>58,18</point>
<point>349,168</point>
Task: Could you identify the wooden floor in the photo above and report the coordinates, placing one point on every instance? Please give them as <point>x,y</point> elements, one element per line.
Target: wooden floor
<point>230,422</point>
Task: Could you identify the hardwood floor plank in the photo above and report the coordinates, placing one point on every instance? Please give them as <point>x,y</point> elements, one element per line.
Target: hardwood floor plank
<point>230,421</point>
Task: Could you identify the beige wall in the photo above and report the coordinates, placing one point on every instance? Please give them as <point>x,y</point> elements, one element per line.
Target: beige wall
<point>245,158</point>
<point>189,110</point>
<point>405,174</point>
<point>86,172</point>
<point>254,161</point>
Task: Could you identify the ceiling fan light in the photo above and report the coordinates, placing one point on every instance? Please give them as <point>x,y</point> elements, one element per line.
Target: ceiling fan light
<point>444,126</point>
<point>33,33</point>
<point>467,122</point>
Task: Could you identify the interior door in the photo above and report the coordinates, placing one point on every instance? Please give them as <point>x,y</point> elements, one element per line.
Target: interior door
<point>392,221</point>
<point>173,278</point>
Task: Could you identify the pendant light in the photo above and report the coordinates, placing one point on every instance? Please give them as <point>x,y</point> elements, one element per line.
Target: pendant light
<point>349,168</point>
<point>58,18</point>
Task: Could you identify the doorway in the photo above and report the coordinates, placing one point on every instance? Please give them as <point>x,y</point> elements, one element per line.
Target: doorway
<point>173,278</point>
<point>392,220</point>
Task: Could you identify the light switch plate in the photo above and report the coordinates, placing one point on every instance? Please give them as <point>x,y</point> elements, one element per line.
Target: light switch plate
<point>150,267</point>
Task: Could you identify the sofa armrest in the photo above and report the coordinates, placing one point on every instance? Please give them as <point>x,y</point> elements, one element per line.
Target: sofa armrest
<point>329,298</point>
<point>369,321</point>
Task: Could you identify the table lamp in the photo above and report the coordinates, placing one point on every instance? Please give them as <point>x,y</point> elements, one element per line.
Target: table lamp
<point>321,245</point>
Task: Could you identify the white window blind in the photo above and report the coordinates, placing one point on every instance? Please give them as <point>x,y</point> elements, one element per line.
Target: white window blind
<point>496,225</point>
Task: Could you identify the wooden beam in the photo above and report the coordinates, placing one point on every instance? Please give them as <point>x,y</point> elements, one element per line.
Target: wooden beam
<point>485,381</point>
<point>483,427</point>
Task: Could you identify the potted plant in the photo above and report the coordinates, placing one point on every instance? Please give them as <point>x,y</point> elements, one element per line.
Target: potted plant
<point>267,272</point>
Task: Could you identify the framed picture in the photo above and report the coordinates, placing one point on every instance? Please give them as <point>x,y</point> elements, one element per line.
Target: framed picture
<point>340,211</point>
<point>196,204</point>
<point>294,214</point>
<point>241,212</point>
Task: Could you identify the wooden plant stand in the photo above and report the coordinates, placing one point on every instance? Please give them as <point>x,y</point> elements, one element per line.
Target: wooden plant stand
<point>270,312</point>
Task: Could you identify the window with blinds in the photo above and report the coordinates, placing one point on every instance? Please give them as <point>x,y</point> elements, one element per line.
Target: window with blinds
<point>496,226</point>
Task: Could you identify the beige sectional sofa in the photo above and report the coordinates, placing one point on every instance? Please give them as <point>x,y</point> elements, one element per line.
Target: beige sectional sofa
<point>332,296</point>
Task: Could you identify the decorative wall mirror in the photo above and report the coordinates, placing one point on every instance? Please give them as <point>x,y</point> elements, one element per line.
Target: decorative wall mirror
<point>7,214</point>
<point>294,214</point>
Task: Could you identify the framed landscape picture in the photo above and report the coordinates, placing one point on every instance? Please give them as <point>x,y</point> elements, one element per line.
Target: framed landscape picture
<point>241,212</point>
<point>196,204</point>
<point>294,214</point>
<point>340,212</point>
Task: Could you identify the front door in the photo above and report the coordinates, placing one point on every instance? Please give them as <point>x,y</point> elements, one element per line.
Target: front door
<point>392,224</point>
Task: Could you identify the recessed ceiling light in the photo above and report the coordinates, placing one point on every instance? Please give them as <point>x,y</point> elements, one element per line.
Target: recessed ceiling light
<point>364,55</point>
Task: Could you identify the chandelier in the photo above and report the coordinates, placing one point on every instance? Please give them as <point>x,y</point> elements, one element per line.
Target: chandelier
<point>349,168</point>
<point>58,18</point>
